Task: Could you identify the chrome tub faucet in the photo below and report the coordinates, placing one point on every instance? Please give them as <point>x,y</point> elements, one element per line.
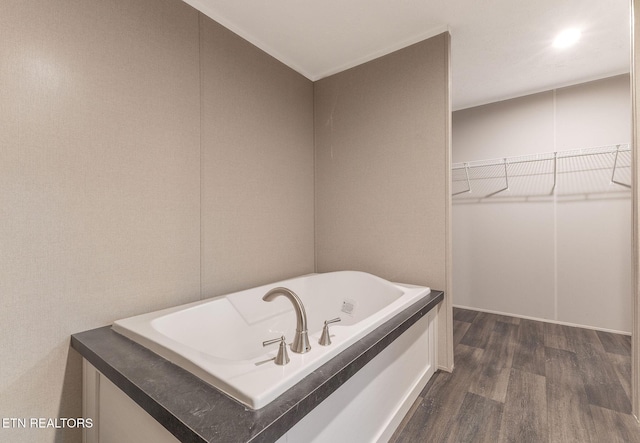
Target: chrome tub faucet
<point>300,342</point>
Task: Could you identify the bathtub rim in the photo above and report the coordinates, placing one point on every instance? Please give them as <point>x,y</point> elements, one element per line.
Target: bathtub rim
<point>249,381</point>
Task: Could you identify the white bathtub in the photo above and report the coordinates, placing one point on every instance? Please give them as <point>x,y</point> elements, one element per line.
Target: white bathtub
<point>220,339</point>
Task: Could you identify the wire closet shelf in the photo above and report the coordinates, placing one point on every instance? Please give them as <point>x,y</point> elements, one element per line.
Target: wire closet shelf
<point>605,169</point>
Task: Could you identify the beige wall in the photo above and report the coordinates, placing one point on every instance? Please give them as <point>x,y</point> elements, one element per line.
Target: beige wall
<point>539,123</point>
<point>257,160</point>
<point>105,156</point>
<point>382,162</point>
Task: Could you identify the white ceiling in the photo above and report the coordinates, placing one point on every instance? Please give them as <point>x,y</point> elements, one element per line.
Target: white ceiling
<point>500,48</point>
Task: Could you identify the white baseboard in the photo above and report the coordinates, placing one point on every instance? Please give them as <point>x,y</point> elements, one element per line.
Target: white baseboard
<point>545,320</point>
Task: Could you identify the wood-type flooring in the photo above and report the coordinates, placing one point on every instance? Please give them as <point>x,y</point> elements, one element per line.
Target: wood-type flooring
<point>525,381</point>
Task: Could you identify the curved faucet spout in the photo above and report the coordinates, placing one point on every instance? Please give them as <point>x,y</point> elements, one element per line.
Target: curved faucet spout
<point>300,342</point>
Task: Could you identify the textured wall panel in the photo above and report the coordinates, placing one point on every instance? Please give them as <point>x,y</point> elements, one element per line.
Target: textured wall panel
<point>382,159</point>
<point>99,185</point>
<point>381,153</point>
<point>257,165</point>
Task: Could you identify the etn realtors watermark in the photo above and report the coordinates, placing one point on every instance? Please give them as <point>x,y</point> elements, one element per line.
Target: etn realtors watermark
<point>45,423</point>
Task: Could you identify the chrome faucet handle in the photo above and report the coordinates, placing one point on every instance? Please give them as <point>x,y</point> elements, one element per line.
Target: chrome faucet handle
<point>325,339</point>
<point>282,358</point>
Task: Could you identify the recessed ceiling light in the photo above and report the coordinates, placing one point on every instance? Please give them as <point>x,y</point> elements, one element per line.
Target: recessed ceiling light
<point>567,38</point>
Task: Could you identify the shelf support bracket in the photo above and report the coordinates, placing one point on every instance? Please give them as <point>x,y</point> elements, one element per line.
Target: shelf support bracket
<point>466,171</point>
<point>506,180</point>
<point>613,173</point>
<point>555,173</point>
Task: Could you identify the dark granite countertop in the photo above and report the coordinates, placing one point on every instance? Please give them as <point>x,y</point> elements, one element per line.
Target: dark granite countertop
<point>194,411</point>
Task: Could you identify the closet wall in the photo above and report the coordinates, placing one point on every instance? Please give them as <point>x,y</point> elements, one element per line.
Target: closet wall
<point>562,256</point>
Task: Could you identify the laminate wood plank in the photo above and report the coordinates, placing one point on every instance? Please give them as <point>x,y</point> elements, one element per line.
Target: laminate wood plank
<point>622,366</point>
<point>579,340</point>
<point>464,315</point>
<point>584,342</point>
<point>525,410</point>
<point>506,319</point>
<point>495,365</point>
<point>480,330</point>
<point>432,414</point>
<point>615,343</point>
<point>478,420</point>
<point>554,336</point>
<point>442,398</point>
<point>602,385</point>
<point>493,383</point>
<point>396,435</point>
<point>529,354</point>
<point>459,329</point>
<point>599,377</point>
<point>567,404</point>
<point>614,427</point>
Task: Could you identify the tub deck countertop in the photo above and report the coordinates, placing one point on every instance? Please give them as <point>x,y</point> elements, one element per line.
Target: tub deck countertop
<point>194,411</point>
